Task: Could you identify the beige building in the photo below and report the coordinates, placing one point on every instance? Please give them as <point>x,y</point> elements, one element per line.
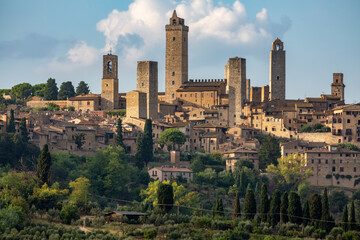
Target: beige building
<point>170,173</point>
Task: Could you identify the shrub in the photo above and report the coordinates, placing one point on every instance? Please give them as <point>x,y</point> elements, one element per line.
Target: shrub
<point>68,213</point>
<point>335,233</point>
<point>269,238</point>
<point>308,231</point>
<point>98,222</point>
<point>220,225</point>
<point>201,222</point>
<point>234,235</point>
<point>150,233</point>
<point>351,235</point>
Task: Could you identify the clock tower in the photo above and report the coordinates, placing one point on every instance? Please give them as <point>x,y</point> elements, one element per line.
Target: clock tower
<point>110,83</point>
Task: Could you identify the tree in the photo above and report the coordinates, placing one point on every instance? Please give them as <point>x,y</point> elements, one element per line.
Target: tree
<point>79,139</point>
<point>352,218</point>
<point>119,141</point>
<point>39,89</point>
<point>197,165</point>
<point>284,218</point>
<point>306,213</point>
<point>172,138</point>
<point>236,212</point>
<point>80,190</point>
<point>44,165</point>
<point>69,212</point>
<point>22,91</point>
<point>147,143</point>
<point>315,209</point>
<point>51,90</point>
<point>23,131</point>
<point>242,182</point>
<point>11,217</point>
<point>294,209</point>
<point>218,209</point>
<point>269,152</point>
<point>165,197</point>
<point>337,201</point>
<point>345,219</point>
<point>275,208</point>
<point>139,152</point>
<point>82,88</point>
<point>264,203</point>
<point>349,146</point>
<point>52,107</point>
<point>66,91</point>
<point>326,219</point>
<point>249,204</point>
<point>11,125</point>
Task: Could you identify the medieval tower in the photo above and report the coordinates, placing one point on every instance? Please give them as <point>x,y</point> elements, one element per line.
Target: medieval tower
<point>277,71</point>
<point>338,87</point>
<point>176,60</point>
<point>235,73</point>
<point>147,82</point>
<point>110,83</point>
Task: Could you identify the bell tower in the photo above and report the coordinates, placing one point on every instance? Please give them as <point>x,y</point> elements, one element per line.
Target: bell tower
<point>110,83</point>
<point>176,60</point>
<point>277,71</point>
<point>338,87</point>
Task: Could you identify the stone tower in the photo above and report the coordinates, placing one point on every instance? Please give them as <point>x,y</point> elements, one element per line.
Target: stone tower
<point>338,87</point>
<point>176,60</point>
<point>277,71</point>
<point>147,82</point>
<point>110,83</point>
<point>235,73</point>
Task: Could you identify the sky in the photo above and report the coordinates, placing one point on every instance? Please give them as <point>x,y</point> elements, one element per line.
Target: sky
<point>66,39</point>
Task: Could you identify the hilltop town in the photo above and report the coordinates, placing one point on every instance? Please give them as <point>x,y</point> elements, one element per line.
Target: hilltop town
<point>228,118</point>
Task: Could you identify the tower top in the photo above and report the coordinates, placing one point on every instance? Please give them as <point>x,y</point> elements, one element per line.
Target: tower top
<point>174,14</point>
<point>277,45</point>
<point>175,20</point>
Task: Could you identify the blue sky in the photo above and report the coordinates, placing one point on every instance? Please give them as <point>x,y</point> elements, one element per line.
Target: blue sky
<point>65,40</point>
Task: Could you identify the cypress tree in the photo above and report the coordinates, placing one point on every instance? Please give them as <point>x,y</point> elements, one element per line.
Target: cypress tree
<point>249,204</point>
<point>23,131</point>
<point>119,141</point>
<point>345,219</point>
<point>139,152</point>
<point>11,125</point>
<point>315,209</point>
<point>165,196</point>
<point>352,219</point>
<point>147,147</point>
<point>294,209</point>
<point>82,88</point>
<point>275,208</point>
<point>43,167</point>
<point>264,203</point>
<point>66,91</point>
<point>51,90</point>
<point>220,208</point>
<point>236,212</point>
<point>326,223</point>
<point>284,208</point>
<point>306,213</point>
<point>242,183</point>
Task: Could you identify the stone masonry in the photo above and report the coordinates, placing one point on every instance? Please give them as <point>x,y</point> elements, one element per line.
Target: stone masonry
<point>277,71</point>
<point>338,87</point>
<point>109,83</point>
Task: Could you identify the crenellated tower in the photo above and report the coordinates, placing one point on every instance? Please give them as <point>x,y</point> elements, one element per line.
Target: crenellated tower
<point>277,71</point>
<point>338,87</point>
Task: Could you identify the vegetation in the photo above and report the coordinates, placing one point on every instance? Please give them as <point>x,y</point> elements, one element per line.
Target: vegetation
<point>66,91</point>
<point>269,151</point>
<point>82,88</point>
<point>318,127</point>
<point>43,167</point>
<point>51,90</point>
<point>172,138</point>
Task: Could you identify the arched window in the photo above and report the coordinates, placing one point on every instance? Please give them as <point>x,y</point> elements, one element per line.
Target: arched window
<point>174,21</point>
<point>277,47</point>
<point>109,66</point>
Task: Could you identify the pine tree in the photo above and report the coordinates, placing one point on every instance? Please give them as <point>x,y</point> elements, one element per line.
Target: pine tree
<point>306,213</point>
<point>165,195</point>
<point>294,209</point>
<point>82,88</point>
<point>147,147</point>
<point>275,208</point>
<point>264,203</point>
<point>51,90</point>
<point>315,209</point>
<point>66,91</point>
<point>326,223</point>
<point>43,167</point>
<point>236,212</point>
<point>284,208</point>
<point>249,204</point>
<point>23,131</point>
<point>345,219</point>
<point>11,125</point>
<point>352,219</point>
<point>119,141</point>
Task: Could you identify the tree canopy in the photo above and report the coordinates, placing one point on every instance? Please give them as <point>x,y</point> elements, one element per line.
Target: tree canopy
<point>51,90</point>
<point>172,138</point>
<point>66,91</point>
<point>82,88</point>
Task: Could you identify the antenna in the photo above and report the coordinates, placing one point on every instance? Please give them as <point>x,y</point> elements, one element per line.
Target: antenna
<point>110,51</point>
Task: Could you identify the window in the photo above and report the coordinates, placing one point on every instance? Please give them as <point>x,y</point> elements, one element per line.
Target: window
<point>202,95</point>
<point>348,121</point>
<point>354,169</point>
<point>341,169</point>
<point>326,161</point>
<point>212,94</point>
<point>333,169</point>
<point>333,161</point>
<point>319,161</point>
<point>173,82</point>
<point>88,103</point>
<point>312,160</point>
<point>173,73</point>
<point>196,95</point>
<point>173,38</point>
<point>173,95</point>
<point>277,77</point>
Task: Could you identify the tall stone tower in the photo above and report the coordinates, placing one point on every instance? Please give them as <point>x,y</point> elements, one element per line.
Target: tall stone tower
<point>110,83</point>
<point>338,87</point>
<point>176,60</point>
<point>147,82</point>
<point>235,73</point>
<point>277,71</point>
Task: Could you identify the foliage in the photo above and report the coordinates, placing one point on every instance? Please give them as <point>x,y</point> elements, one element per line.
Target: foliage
<point>318,127</point>
<point>315,209</point>
<point>51,90</point>
<point>306,213</point>
<point>68,213</point>
<point>249,204</point>
<point>165,196</point>
<point>80,190</point>
<point>218,209</point>
<point>294,209</point>
<point>11,125</point>
<point>43,167</point>
<point>352,218</point>
<point>23,131</point>
<point>345,219</point>
<point>274,212</point>
<point>39,89</point>
<point>264,203</point>
<point>66,91</point>
<point>197,165</point>
<point>119,113</point>
<point>46,197</point>
<point>290,171</point>
<point>243,162</point>
<point>82,88</point>
<point>79,139</point>
<point>349,146</point>
<point>172,138</point>
<point>269,152</point>
<point>236,212</point>
<point>326,220</point>
<point>11,217</point>
<point>22,91</point>
<point>52,107</point>
<point>119,141</point>
<point>337,201</point>
<point>144,145</point>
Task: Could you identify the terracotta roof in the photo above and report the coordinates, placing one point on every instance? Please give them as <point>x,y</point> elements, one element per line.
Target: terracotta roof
<point>85,97</point>
<point>208,125</point>
<point>174,169</point>
<point>179,124</point>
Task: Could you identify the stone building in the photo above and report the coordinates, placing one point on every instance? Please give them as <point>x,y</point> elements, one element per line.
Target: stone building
<point>110,83</point>
<point>176,61</point>
<point>170,173</point>
<point>338,87</point>
<point>136,104</point>
<point>277,71</point>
